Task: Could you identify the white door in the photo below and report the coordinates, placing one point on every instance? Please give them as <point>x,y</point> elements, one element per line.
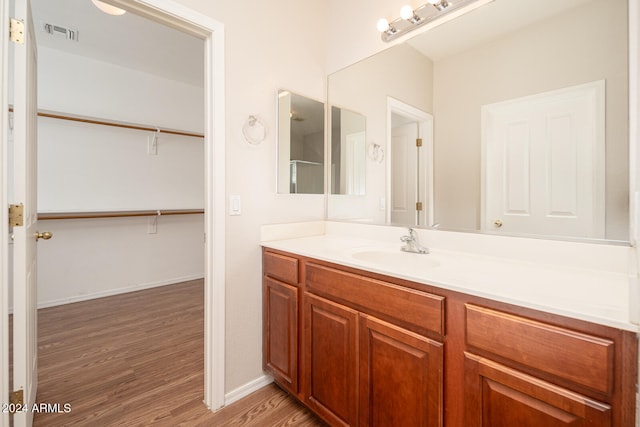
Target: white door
<point>355,163</point>
<point>404,159</point>
<point>544,163</point>
<point>25,346</point>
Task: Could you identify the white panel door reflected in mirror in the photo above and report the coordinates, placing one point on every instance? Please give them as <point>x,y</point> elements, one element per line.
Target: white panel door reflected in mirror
<point>348,152</point>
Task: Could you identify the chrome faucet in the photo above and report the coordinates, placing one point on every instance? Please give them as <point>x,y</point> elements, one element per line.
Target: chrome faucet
<point>412,243</point>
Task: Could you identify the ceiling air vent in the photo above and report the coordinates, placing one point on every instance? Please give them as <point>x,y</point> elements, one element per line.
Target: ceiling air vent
<point>58,31</point>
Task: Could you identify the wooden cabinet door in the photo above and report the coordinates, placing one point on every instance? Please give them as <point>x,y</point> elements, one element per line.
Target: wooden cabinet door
<point>280,334</point>
<point>498,396</point>
<point>401,376</point>
<point>330,349</point>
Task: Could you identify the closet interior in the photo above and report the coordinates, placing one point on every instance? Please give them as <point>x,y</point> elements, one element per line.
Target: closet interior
<point>120,159</point>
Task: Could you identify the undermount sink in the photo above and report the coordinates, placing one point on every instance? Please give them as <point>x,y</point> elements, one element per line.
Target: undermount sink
<point>395,258</point>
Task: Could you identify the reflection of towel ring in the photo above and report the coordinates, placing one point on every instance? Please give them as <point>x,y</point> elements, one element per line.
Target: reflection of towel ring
<point>254,130</point>
<point>376,152</point>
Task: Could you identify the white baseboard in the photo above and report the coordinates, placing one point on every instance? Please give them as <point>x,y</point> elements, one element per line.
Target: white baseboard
<point>247,389</point>
<point>111,292</point>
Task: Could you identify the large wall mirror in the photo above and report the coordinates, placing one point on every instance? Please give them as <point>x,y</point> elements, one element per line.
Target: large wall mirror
<point>300,144</point>
<point>521,110</point>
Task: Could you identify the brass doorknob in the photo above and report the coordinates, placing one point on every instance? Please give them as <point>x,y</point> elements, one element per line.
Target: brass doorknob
<point>46,235</point>
<point>497,223</point>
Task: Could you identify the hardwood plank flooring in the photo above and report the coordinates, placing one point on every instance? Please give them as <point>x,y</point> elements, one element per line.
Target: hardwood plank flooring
<point>137,359</point>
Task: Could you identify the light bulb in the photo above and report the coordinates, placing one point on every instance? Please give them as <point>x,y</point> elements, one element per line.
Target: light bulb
<point>383,25</point>
<point>406,12</point>
<point>107,8</point>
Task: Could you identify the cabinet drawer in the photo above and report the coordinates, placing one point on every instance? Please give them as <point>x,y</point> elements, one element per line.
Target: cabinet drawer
<point>580,358</point>
<point>415,310</point>
<point>281,267</point>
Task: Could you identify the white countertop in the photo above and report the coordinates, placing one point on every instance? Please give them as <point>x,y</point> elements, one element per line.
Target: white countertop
<point>593,294</point>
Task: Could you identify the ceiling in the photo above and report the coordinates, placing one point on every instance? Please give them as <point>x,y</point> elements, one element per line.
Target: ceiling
<point>135,42</point>
<point>127,40</point>
<point>487,23</point>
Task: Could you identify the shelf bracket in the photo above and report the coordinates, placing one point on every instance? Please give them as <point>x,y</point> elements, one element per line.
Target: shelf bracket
<point>152,148</point>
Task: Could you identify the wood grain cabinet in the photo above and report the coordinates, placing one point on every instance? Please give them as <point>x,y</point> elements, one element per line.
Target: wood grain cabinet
<point>362,349</point>
<point>500,395</point>
<point>280,319</point>
<point>331,364</point>
<point>401,376</point>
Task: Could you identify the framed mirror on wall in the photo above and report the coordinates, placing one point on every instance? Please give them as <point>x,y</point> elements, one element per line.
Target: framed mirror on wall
<point>300,144</point>
<point>533,92</point>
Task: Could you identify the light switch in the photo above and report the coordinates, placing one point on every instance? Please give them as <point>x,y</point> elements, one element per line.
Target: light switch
<point>235,207</point>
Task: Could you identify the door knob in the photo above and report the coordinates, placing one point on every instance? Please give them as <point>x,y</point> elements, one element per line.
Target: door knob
<point>497,223</point>
<point>46,235</point>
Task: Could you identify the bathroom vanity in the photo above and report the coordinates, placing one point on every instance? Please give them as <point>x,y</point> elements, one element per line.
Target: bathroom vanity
<point>388,346</point>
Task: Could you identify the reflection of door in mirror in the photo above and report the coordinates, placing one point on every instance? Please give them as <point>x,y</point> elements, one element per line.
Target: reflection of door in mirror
<point>348,152</point>
<point>543,163</point>
<point>410,146</point>
<point>300,144</point>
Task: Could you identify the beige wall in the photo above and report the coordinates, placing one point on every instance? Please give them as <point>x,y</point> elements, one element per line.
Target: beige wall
<point>352,34</point>
<point>570,49</point>
<point>268,45</point>
<point>401,73</point>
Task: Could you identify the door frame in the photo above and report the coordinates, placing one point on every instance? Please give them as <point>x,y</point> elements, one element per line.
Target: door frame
<point>425,176</point>
<point>180,17</point>
<point>4,216</point>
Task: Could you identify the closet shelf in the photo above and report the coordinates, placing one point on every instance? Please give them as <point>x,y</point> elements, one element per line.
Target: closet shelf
<point>114,123</point>
<point>116,214</point>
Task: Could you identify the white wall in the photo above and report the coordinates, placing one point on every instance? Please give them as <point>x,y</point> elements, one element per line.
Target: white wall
<point>87,167</point>
<point>68,83</point>
<point>92,258</point>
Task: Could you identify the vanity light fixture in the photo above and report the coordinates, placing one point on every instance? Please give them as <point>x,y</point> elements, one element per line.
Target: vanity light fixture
<point>108,9</point>
<point>439,4</point>
<point>410,18</point>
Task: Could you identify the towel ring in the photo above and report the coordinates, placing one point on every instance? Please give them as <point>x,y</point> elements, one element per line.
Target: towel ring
<point>254,130</point>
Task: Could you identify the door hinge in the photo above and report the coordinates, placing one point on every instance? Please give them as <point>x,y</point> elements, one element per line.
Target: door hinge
<point>16,31</point>
<point>418,206</point>
<point>418,142</point>
<point>16,400</point>
<point>16,215</point>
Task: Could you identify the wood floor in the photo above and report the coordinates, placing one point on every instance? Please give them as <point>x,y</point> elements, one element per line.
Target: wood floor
<point>137,360</point>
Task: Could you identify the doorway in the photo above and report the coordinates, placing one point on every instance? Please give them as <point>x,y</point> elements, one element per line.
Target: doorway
<point>212,32</point>
<point>409,165</point>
